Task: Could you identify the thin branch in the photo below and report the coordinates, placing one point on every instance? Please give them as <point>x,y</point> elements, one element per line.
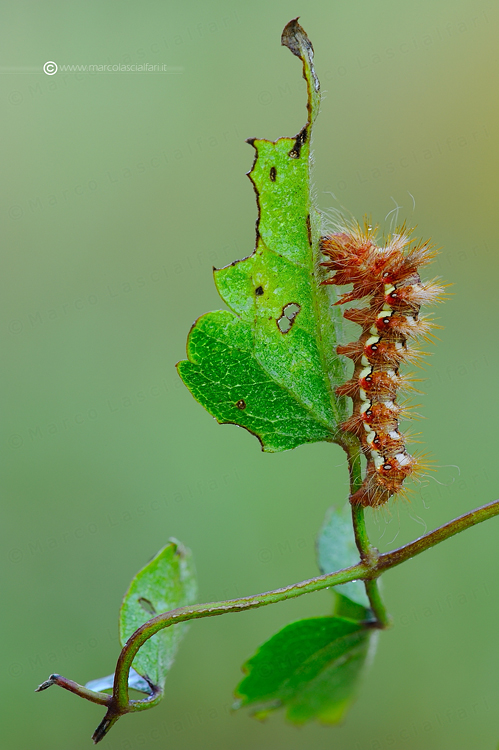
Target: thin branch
<point>383,619</point>
<point>212,609</point>
<point>461,523</point>
<point>368,553</point>
<point>351,446</point>
<point>102,699</point>
<point>107,722</point>
<point>118,704</point>
<point>367,570</point>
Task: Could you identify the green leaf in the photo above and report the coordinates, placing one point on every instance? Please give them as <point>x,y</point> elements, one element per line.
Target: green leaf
<point>311,667</point>
<point>168,581</point>
<point>345,607</point>
<point>270,365</point>
<point>336,549</point>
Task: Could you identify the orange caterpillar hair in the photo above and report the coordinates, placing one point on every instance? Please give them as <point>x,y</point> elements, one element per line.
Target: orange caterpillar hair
<point>388,278</point>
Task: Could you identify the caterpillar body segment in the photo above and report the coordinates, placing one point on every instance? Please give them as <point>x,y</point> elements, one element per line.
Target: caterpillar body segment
<point>387,279</point>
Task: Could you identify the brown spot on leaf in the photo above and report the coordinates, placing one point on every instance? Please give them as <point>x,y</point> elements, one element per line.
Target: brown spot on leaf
<point>259,291</point>
<point>273,174</point>
<point>309,230</point>
<point>241,404</point>
<point>301,138</point>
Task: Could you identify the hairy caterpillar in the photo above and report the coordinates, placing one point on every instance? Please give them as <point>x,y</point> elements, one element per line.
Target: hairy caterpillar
<point>388,279</point>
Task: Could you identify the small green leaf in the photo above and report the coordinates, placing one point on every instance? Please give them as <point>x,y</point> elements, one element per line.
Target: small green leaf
<point>311,668</point>
<point>167,582</point>
<point>336,549</point>
<point>270,365</point>
<point>345,607</point>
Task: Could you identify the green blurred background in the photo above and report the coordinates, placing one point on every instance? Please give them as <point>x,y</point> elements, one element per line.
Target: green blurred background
<point>120,193</point>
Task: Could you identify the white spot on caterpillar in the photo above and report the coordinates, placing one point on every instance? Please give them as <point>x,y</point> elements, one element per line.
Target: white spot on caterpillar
<point>403,459</point>
<point>365,407</point>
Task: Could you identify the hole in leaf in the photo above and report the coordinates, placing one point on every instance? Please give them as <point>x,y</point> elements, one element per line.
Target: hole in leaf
<point>288,316</point>
<point>273,174</point>
<point>147,606</point>
<point>259,291</point>
<point>284,324</point>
